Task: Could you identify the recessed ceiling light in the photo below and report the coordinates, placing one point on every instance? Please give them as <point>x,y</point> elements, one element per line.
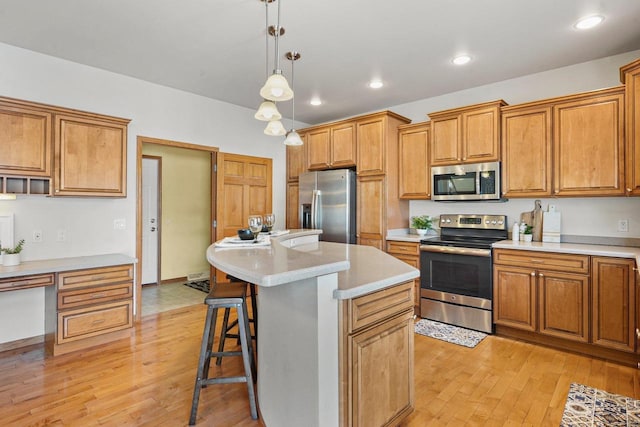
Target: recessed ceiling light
<point>461,59</point>
<point>376,84</point>
<point>315,101</point>
<point>589,22</point>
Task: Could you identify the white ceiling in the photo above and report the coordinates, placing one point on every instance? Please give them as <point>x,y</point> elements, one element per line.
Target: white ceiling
<point>216,48</point>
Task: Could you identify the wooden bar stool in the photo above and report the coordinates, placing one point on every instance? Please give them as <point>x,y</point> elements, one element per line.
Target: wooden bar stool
<point>227,296</point>
<point>227,327</point>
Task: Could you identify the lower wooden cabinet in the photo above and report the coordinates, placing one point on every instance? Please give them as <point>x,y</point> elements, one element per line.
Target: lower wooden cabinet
<point>377,357</point>
<point>613,289</point>
<point>578,302</point>
<point>88,307</point>
<point>408,252</point>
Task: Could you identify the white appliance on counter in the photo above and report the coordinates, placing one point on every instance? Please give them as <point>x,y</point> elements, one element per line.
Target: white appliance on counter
<point>328,202</point>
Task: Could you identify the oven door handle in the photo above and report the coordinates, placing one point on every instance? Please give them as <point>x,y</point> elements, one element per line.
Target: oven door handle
<point>456,250</point>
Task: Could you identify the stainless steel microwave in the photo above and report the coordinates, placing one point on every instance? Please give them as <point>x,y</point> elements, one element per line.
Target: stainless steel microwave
<point>473,181</point>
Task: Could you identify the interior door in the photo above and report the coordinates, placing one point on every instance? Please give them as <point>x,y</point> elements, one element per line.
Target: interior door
<point>151,173</point>
<point>244,187</point>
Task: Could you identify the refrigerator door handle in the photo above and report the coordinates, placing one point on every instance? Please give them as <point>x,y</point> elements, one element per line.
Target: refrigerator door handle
<point>314,208</point>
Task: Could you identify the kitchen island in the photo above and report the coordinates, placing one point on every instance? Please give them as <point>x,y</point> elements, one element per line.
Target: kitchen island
<point>336,330</point>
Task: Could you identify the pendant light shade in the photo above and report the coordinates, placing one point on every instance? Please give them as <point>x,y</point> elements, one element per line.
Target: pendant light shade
<point>275,128</point>
<point>268,111</point>
<point>292,138</point>
<point>276,88</point>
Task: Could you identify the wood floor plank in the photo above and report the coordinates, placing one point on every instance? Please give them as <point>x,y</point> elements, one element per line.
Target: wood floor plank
<point>148,380</point>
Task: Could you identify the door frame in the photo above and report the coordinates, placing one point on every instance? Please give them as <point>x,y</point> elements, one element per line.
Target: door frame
<point>159,219</point>
<point>149,140</point>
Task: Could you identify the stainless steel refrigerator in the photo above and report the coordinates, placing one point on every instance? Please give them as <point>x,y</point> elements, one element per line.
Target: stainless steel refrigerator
<point>328,202</point>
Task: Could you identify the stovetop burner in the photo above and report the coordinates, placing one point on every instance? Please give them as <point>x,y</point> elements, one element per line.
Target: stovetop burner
<point>470,231</point>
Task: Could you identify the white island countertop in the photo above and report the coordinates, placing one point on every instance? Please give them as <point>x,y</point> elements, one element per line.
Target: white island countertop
<point>361,269</point>
<point>573,248</point>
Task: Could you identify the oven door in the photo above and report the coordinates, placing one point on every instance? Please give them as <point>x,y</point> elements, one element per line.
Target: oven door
<point>464,272</point>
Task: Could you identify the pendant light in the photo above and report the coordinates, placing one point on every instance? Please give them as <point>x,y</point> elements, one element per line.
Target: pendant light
<point>276,88</point>
<point>292,136</point>
<point>267,110</point>
<point>275,128</point>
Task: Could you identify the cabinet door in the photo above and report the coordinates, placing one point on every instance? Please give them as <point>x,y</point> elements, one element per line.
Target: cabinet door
<point>481,138</point>
<point>414,169</point>
<point>613,311</point>
<point>90,157</point>
<point>372,149</point>
<point>343,145</point>
<point>589,146</point>
<point>381,382</point>
<point>514,297</point>
<point>295,161</point>
<point>632,110</point>
<point>371,210</point>
<point>293,216</point>
<point>25,141</point>
<point>563,309</point>
<point>318,149</point>
<point>446,140</point>
<point>526,152</point>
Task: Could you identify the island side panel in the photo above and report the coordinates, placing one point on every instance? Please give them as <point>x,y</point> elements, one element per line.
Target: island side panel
<point>298,353</point>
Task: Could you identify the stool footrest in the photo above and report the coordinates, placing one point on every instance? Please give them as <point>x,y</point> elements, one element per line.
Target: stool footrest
<point>223,380</point>
<point>225,353</point>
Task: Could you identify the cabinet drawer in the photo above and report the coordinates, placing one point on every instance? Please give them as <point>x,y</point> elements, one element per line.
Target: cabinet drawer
<point>95,295</point>
<point>25,282</point>
<point>413,261</point>
<point>371,308</point>
<point>547,260</point>
<point>403,248</point>
<point>94,276</point>
<point>95,320</point>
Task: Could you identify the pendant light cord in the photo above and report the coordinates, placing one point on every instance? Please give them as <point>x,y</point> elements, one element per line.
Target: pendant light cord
<point>266,38</point>
<point>277,36</point>
<point>293,84</point>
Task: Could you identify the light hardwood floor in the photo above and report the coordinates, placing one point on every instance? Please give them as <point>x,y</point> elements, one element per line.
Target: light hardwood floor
<point>148,381</point>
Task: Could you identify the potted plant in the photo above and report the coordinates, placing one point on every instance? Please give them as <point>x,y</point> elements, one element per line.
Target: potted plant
<point>528,233</point>
<point>422,224</point>
<point>11,256</point>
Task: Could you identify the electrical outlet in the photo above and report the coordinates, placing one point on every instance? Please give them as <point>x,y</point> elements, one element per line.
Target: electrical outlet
<point>120,224</point>
<point>61,236</point>
<point>37,236</point>
<point>623,225</point>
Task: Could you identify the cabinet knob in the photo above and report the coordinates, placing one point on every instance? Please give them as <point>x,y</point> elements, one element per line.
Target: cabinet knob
<point>540,275</point>
<point>628,190</point>
<point>638,333</point>
<point>533,274</point>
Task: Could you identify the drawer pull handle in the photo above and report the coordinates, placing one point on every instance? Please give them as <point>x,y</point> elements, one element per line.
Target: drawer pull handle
<point>97,322</point>
<point>99,295</point>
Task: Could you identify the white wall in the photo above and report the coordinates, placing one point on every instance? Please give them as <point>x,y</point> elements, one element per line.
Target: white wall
<point>155,111</point>
<point>580,216</point>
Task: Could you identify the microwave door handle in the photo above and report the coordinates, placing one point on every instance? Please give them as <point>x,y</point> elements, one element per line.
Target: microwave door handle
<point>478,182</point>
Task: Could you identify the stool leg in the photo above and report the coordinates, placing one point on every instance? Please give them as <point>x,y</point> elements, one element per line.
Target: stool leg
<point>212,334</point>
<point>254,310</point>
<point>223,334</point>
<point>201,364</point>
<point>247,355</point>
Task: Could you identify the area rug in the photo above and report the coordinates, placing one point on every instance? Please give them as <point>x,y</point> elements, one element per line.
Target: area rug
<point>201,285</point>
<point>588,406</point>
<point>449,333</point>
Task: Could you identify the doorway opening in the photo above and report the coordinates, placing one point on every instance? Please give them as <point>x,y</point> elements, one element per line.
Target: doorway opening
<point>175,215</point>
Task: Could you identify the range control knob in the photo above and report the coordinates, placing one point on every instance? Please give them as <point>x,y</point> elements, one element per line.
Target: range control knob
<point>494,222</point>
<point>486,221</point>
<point>500,222</point>
<point>448,220</point>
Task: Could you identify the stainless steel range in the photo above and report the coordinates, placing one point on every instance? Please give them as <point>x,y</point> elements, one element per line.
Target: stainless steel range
<point>456,270</point>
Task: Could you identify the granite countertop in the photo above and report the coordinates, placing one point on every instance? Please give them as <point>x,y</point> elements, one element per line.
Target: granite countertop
<point>56,265</point>
<point>573,248</point>
<point>361,269</point>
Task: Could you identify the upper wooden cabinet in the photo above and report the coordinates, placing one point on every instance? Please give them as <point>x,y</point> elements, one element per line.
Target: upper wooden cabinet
<point>25,140</point>
<point>414,173</point>
<point>90,156</point>
<point>84,154</point>
<point>466,135</point>
<point>589,144</point>
<point>526,151</point>
<point>295,160</point>
<point>630,76</point>
<point>331,147</point>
